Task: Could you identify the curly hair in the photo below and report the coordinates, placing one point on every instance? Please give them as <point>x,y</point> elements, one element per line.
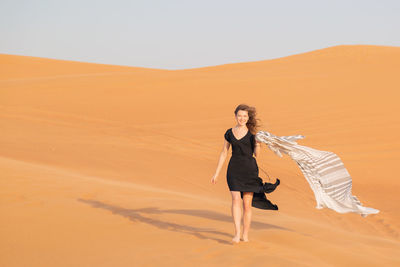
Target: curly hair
<point>252,124</point>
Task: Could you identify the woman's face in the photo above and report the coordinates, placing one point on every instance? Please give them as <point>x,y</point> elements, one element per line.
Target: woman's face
<point>242,117</point>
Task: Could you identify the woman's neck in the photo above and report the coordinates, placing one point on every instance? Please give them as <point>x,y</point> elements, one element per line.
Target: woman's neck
<point>238,126</point>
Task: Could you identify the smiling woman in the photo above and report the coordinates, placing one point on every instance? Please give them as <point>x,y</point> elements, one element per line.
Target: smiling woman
<point>242,174</point>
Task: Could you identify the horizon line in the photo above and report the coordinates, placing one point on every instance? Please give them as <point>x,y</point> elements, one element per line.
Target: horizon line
<point>196,68</point>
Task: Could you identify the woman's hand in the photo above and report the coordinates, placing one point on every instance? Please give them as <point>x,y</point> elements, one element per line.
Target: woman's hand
<point>214,179</point>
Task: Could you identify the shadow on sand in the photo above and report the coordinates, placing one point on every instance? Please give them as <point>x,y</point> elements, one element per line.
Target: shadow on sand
<point>203,233</point>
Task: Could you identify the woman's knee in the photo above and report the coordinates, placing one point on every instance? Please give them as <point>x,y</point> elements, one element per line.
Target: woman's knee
<point>236,202</point>
<point>247,208</point>
<point>236,195</point>
<point>247,201</point>
<point>247,204</point>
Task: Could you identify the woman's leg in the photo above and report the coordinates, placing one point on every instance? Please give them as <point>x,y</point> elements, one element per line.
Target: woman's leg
<point>236,214</point>
<point>247,199</point>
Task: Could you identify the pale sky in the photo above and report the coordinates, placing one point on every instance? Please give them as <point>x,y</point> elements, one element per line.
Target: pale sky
<point>181,34</point>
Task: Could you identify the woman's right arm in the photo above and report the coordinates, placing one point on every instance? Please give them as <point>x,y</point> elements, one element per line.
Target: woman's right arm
<point>222,158</point>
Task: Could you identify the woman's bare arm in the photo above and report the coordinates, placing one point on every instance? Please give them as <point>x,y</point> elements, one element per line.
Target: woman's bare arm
<point>221,160</point>
<point>257,147</point>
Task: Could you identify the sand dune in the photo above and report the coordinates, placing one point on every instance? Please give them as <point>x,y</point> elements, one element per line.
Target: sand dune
<point>109,165</point>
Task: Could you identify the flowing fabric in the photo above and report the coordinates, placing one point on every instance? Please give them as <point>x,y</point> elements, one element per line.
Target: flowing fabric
<point>324,171</point>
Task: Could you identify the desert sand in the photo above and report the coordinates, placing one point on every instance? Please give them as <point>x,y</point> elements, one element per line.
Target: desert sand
<point>105,165</point>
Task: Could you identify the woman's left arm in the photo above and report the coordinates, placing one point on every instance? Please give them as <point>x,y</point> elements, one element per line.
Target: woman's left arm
<point>257,146</point>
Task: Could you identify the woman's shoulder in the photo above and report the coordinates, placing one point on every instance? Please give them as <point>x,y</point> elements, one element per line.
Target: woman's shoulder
<point>252,136</point>
<point>227,134</point>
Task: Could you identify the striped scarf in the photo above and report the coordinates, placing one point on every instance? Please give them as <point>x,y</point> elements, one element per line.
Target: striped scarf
<point>323,170</point>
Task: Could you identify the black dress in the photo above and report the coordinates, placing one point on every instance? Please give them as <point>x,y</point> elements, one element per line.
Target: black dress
<point>242,173</point>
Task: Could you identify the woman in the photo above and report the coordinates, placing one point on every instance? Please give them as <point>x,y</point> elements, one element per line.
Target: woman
<point>242,173</point>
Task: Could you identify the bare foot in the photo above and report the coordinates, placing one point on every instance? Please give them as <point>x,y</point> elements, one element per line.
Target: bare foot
<point>236,239</point>
<point>245,239</point>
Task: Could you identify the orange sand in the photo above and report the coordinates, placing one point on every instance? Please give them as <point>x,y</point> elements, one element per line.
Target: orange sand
<point>107,165</point>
